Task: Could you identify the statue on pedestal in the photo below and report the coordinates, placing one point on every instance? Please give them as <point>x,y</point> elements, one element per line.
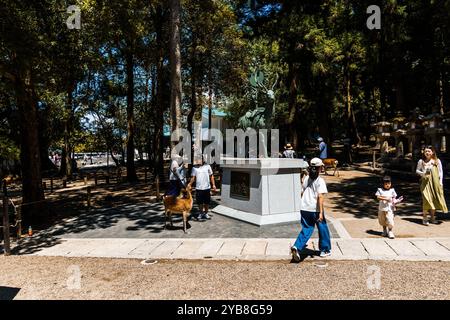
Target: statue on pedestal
<point>262,116</point>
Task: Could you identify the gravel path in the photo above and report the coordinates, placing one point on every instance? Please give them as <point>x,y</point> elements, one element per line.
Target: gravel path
<point>49,278</point>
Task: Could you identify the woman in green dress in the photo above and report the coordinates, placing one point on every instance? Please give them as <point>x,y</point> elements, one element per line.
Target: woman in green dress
<point>430,170</point>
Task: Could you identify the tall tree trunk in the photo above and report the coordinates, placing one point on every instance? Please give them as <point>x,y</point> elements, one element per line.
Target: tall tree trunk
<point>348,107</point>
<point>34,207</point>
<point>131,170</point>
<point>399,97</point>
<point>323,112</point>
<point>293,112</point>
<point>398,82</point>
<point>382,78</point>
<point>193,99</point>
<point>66,160</point>
<point>44,141</point>
<point>441,94</point>
<point>159,122</point>
<point>210,107</point>
<point>175,62</point>
<point>150,132</point>
<point>351,120</point>
<point>111,153</point>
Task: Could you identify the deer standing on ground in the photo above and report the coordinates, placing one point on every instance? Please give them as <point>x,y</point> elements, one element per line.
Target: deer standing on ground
<point>178,205</point>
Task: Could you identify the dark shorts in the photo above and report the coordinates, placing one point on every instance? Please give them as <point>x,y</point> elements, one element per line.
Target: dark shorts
<point>203,196</point>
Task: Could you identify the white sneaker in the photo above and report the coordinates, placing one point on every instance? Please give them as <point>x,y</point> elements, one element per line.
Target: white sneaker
<point>206,216</point>
<point>425,222</point>
<point>324,254</point>
<point>391,235</point>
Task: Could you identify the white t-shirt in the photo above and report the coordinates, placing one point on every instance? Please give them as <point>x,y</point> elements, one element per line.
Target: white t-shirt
<point>202,175</point>
<point>310,193</point>
<point>384,204</point>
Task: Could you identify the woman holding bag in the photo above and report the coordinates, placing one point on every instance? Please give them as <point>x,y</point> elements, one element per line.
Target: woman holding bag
<point>431,185</point>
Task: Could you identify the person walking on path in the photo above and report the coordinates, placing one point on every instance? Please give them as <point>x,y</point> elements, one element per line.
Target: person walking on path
<point>322,148</point>
<point>388,199</point>
<point>204,179</point>
<point>431,185</point>
<point>289,152</point>
<point>312,212</point>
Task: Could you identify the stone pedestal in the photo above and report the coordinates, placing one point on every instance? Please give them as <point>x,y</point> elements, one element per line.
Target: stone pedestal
<point>261,191</point>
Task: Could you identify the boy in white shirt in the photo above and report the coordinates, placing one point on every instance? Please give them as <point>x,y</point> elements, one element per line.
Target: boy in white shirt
<point>204,179</point>
<point>388,198</point>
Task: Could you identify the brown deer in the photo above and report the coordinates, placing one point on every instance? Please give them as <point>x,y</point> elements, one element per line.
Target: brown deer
<point>330,163</point>
<point>177,205</point>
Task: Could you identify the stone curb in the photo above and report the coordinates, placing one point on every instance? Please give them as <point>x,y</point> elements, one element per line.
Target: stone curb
<point>240,250</point>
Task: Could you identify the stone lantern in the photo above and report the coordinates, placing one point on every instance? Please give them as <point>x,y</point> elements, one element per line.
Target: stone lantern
<point>414,133</point>
<point>434,130</point>
<point>382,130</point>
<point>398,121</point>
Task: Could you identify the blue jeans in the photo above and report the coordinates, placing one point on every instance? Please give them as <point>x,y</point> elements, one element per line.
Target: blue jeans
<point>308,221</point>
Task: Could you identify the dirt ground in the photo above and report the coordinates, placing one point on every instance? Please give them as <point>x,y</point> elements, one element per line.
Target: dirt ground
<point>351,200</point>
<point>27,277</point>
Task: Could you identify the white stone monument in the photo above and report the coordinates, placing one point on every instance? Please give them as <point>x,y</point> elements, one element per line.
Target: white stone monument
<point>261,191</point>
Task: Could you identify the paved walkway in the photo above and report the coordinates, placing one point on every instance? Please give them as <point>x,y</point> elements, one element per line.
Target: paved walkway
<point>130,229</point>
<point>116,218</point>
<point>415,249</point>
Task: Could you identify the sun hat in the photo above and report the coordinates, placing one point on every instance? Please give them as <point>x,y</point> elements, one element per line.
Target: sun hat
<point>288,147</point>
<point>316,162</point>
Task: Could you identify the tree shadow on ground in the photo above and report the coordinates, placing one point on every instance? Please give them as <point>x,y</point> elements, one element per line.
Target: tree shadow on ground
<point>130,205</point>
<point>109,204</point>
<point>357,196</point>
<point>34,244</point>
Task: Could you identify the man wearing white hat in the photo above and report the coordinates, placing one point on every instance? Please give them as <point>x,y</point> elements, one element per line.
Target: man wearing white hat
<point>312,212</point>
